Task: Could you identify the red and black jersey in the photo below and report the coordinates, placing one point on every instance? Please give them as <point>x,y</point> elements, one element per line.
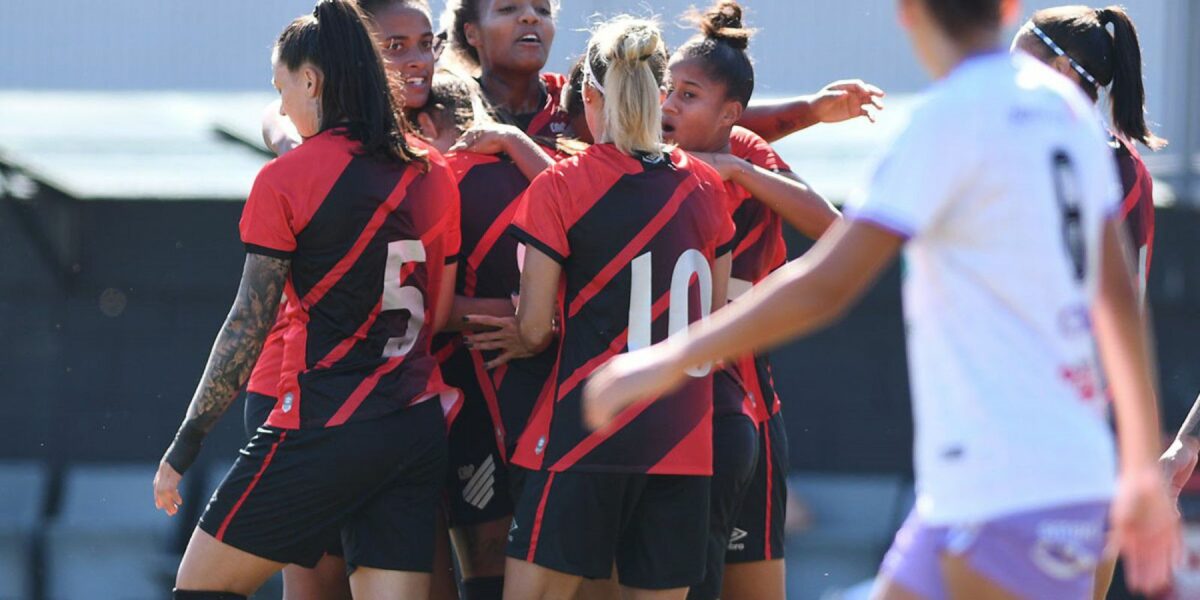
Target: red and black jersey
<point>368,242</point>
<point>264,379</point>
<point>636,240</point>
<point>1137,210</point>
<point>759,249</point>
<point>489,187</point>
<point>551,122</point>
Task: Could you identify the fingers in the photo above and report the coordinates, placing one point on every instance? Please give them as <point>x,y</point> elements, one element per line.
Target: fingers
<point>488,320</point>
<point>500,361</point>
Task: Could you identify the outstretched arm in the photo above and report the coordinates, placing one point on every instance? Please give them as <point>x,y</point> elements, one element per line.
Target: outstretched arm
<point>784,192</point>
<point>229,365</point>
<point>836,102</point>
<point>800,297</point>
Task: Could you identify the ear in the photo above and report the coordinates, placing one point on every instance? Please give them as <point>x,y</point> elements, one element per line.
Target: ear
<point>590,94</point>
<point>731,113</point>
<point>1063,66</point>
<point>426,126</point>
<point>312,78</point>
<point>904,10</point>
<point>472,32</point>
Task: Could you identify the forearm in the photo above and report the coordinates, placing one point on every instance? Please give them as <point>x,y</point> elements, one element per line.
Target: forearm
<point>465,306</point>
<point>776,119</point>
<point>529,157</point>
<point>232,357</point>
<point>789,197</point>
<point>1191,423</point>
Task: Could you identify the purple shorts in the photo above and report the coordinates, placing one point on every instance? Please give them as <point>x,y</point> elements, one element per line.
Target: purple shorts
<point>1051,553</point>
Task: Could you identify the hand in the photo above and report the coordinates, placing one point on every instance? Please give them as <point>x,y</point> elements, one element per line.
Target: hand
<point>727,165</point>
<point>1146,529</point>
<point>628,378</point>
<point>486,138</point>
<point>845,100</point>
<point>166,489</point>
<point>1178,462</point>
<point>501,334</point>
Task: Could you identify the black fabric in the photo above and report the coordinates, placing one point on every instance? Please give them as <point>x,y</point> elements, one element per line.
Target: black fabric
<point>735,455</point>
<point>653,527</point>
<point>477,488</point>
<point>179,594</point>
<point>258,408</point>
<point>764,509</point>
<point>483,588</point>
<point>378,482</point>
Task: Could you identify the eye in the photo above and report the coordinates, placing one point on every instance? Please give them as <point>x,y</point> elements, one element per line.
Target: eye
<point>508,9</point>
<point>545,12</point>
<point>394,45</point>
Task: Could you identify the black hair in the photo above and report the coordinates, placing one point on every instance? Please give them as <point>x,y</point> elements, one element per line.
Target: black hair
<point>372,7</point>
<point>461,12</point>
<point>453,99</point>
<point>963,18</point>
<point>721,46</point>
<point>356,96</point>
<point>1113,59</point>
<point>572,93</point>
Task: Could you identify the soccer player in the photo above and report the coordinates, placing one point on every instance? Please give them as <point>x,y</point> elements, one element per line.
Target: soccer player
<point>1006,195</point>
<point>637,237</point>
<point>1076,42</point>
<point>357,226</point>
<point>710,84</point>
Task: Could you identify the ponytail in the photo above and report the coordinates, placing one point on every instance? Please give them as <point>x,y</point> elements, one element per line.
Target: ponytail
<point>1114,61</point>
<point>626,61</point>
<point>1127,94</point>
<point>356,95</point>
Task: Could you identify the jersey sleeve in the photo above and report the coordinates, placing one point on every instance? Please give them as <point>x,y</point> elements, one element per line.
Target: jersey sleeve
<point>917,177</point>
<point>267,220</point>
<point>750,146</point>
<point>540,221</point>
<point>448,189</point>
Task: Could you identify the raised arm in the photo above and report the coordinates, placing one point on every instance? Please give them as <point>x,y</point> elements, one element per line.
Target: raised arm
<point>800,297</point>
<point>785,193</point>
<point>498,138</point>
<point>279,134</point>
<point>229,365</point>
<point>836,102</point>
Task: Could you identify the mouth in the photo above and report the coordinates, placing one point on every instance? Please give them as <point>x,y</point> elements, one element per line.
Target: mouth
<point>530,38</point>
<point>415,82</point>
<point>668,128</point>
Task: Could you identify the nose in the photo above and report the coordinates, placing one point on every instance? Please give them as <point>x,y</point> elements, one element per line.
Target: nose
<point>669,105</point>
<point>529,16</point>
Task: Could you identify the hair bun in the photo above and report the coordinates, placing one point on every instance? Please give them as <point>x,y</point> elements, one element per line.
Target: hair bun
<point>723,22</point>
<point>640,43</point>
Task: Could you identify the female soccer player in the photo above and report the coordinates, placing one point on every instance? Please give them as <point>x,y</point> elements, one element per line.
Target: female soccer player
<point>711,82</point>
<point>1004,189</point>
<point>637,238</point>
<point>357,226</point>
<point>1075,41</point>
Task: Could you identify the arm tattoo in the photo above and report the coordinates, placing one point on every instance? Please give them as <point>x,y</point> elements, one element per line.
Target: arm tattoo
<point>234,353</point>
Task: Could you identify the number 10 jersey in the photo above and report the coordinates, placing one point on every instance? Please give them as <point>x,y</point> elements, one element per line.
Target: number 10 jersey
<point>636,239</point>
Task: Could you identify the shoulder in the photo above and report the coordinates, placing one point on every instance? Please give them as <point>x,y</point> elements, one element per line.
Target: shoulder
<point>742,141</point>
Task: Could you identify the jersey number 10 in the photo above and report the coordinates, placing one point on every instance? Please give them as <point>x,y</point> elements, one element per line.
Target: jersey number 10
<point>641,303</point>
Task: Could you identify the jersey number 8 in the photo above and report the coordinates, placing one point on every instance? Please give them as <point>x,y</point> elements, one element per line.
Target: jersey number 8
<point>691,263</point>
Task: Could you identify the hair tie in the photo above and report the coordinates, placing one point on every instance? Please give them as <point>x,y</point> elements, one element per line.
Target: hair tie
<point>1060,52</point>
<point>590,76</point>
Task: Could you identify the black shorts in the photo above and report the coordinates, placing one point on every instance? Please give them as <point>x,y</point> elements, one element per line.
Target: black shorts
<point>653,527</point>
<point>377,482</point>
<point>477,474</point>
<point>258,408</point>
<point>735,454</point>
<point>758,530</point>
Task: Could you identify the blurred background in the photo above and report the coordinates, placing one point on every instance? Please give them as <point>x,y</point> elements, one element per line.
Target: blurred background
<point>129,137</point>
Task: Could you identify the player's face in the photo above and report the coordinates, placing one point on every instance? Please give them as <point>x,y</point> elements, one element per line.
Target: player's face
<point>513,35</point>
<point>406,38</point>
<point>697,116</point>
<point>300,96</point>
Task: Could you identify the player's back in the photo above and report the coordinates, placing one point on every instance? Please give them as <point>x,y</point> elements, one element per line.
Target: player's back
<point>636,239</point>
<point>1003,181</point>
<point>367,242</point>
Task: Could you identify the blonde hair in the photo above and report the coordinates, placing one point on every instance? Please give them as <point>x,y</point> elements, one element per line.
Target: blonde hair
<point>626,61</point>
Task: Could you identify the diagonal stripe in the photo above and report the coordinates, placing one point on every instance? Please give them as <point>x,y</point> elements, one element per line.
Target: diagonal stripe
<point>380,216</point>
<point>614,348</point>
<point>627,254</point>
<point>253,482</point>
<point>751,237</point>
<point>490,399</point>
<point>537,521</point>
<point>486,469</point>
<point>486,243</point>
<point>363,390</point>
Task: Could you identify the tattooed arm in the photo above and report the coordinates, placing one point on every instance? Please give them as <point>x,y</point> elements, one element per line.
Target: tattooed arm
<point>229,365</point>
<point>838,101</point>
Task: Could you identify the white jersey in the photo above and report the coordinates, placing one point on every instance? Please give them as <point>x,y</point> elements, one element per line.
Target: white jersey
<point>1002,183</point>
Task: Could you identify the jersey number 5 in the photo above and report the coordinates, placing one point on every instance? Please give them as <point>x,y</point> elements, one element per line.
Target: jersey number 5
<point>691,263</point>
<point>407,297</point>
<point>1066,192</point>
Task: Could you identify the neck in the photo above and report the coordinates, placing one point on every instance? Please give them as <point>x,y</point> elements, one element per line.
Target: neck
<point>516,93</point>
<point>720,144</point>
<point>950,53</point>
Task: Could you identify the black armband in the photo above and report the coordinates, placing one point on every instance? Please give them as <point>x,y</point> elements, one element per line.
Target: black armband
<point>185,448</point>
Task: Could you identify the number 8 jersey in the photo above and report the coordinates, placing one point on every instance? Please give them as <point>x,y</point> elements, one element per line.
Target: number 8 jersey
<point>368,243</point>
<point>1002,183</point>
<point>636,240</point>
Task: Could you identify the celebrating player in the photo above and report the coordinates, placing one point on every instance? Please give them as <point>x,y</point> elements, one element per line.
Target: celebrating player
<point>356,225</point>
<point>637,239</point>
<point>1005,192</point>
